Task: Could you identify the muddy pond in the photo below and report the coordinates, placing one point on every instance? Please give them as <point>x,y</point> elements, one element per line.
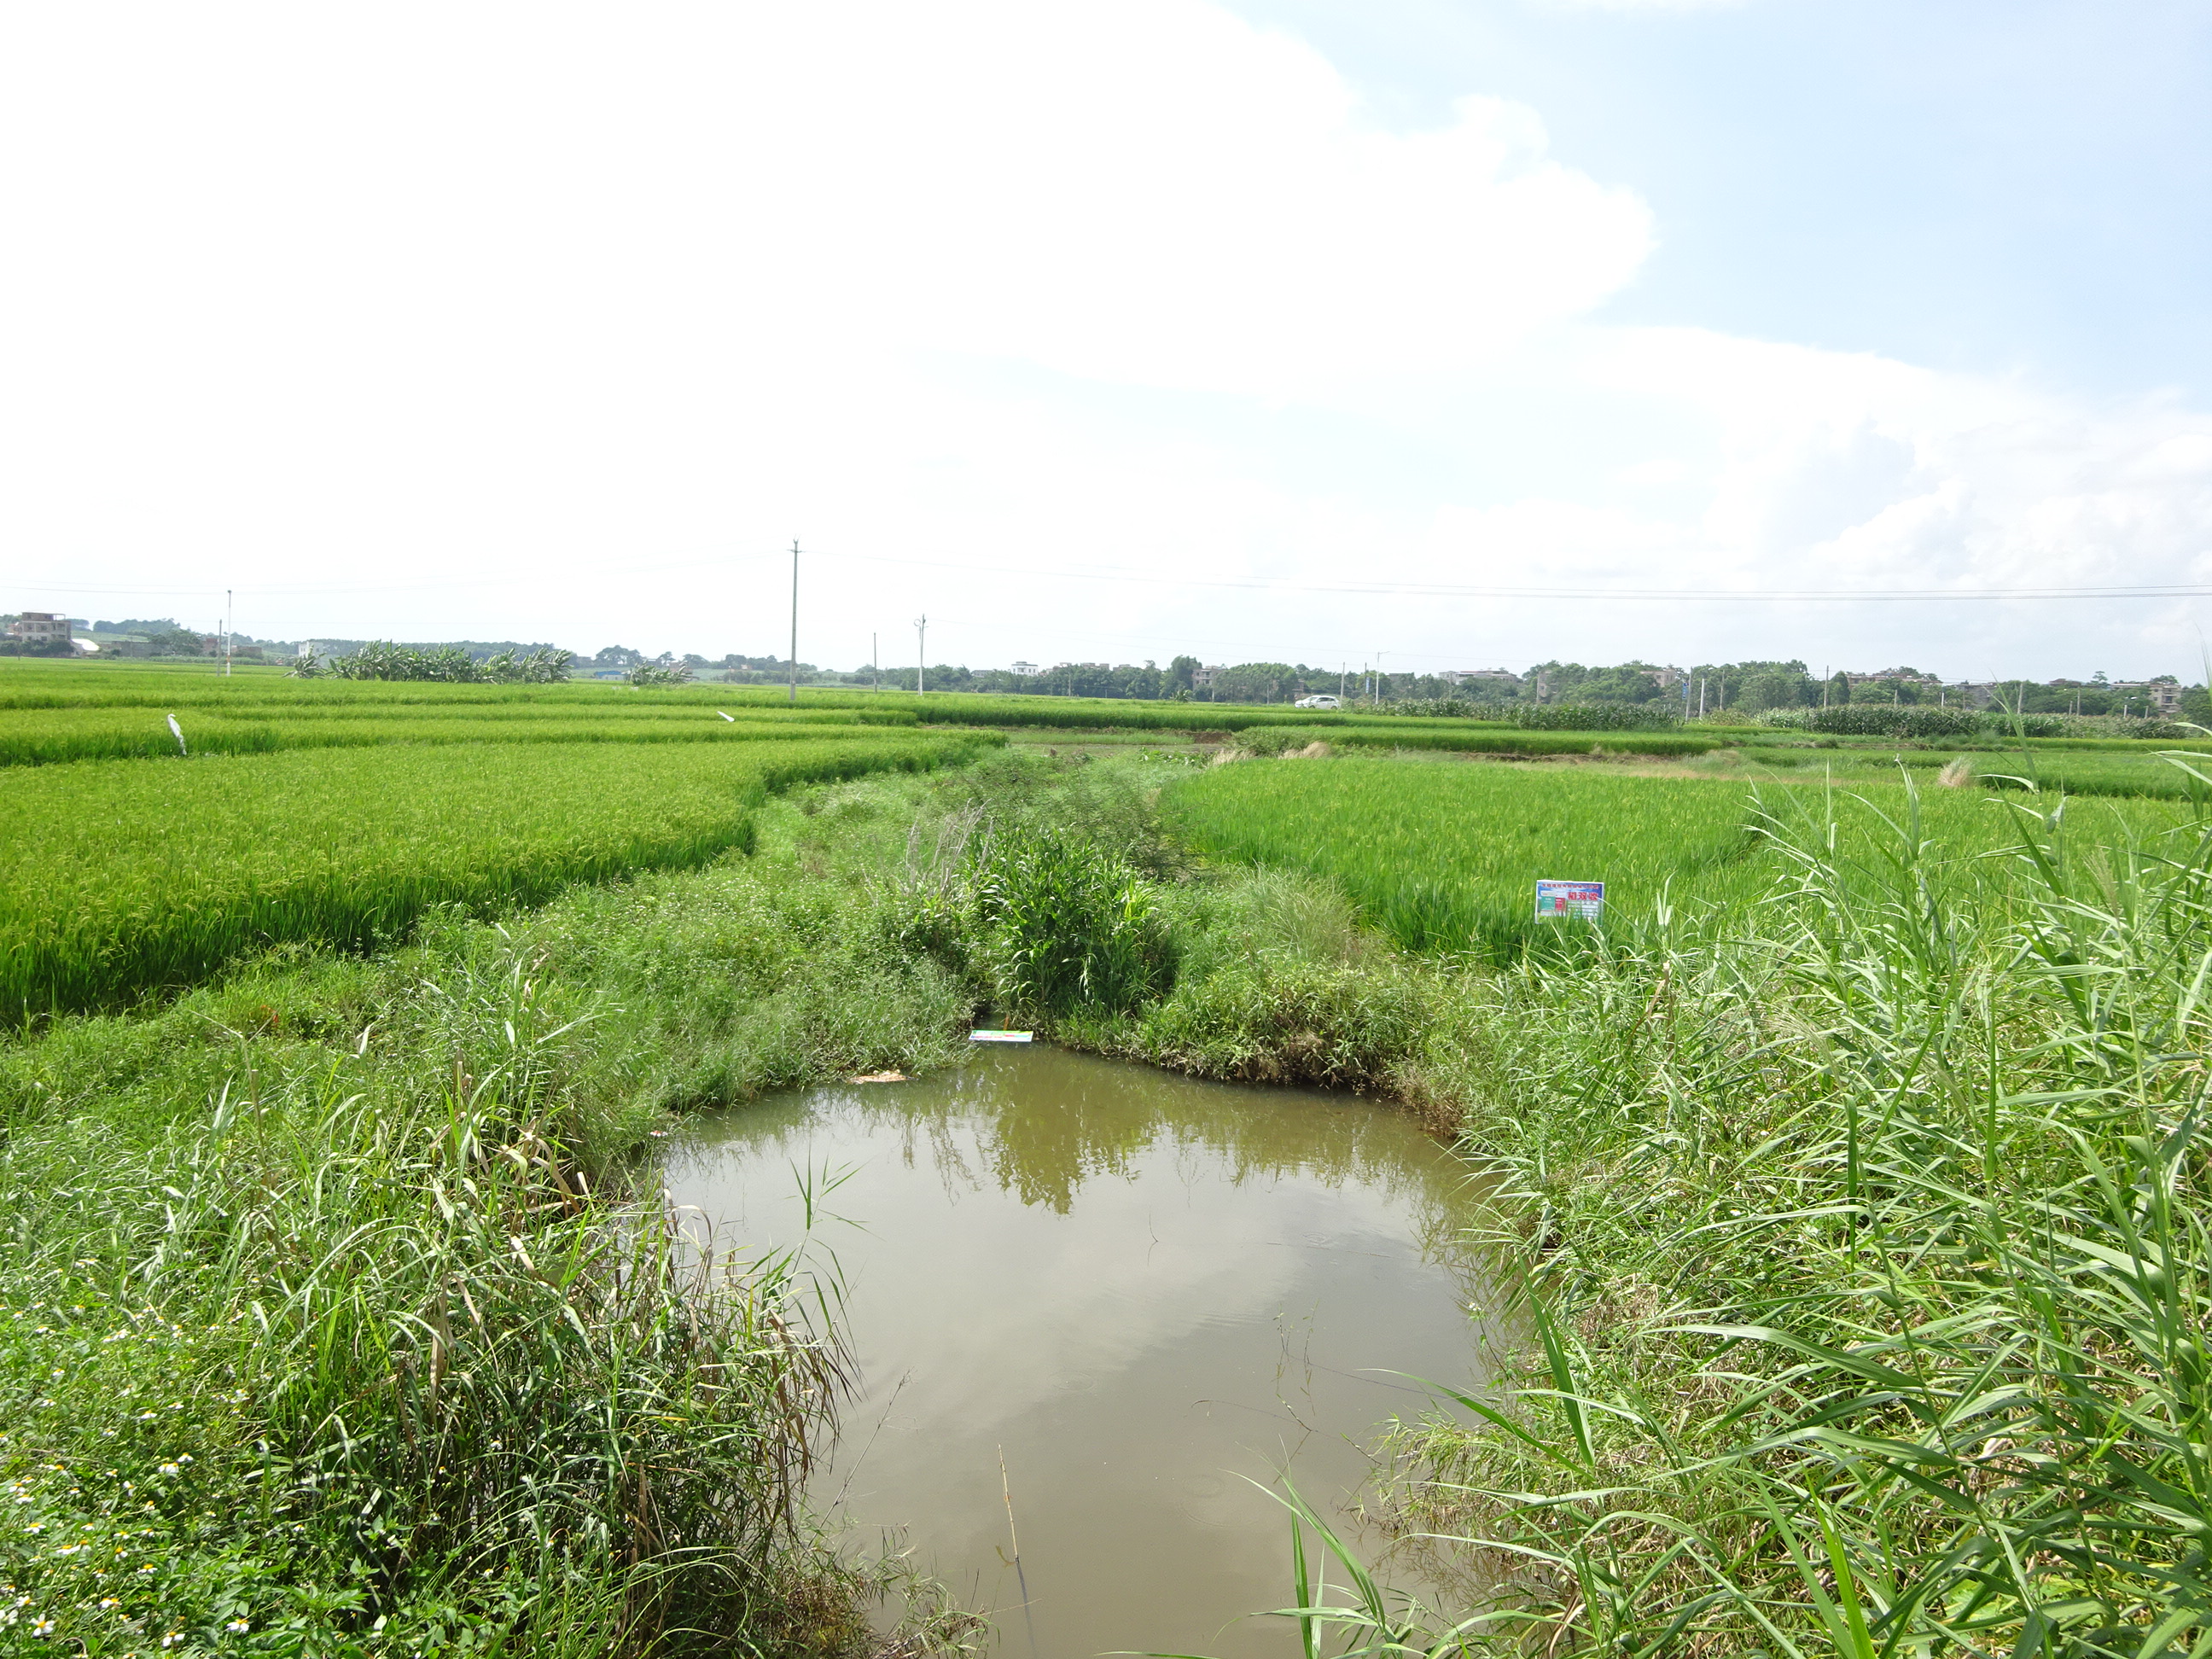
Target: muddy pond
<point>1089,1305</point>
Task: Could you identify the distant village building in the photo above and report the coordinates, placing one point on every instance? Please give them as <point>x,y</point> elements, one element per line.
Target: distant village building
<point>1027,668</point>
<point>1203,677</point>
<point>41,628</point>
<point>1899,676</point>
<point>2162,695</point>
<point>1489,679</point>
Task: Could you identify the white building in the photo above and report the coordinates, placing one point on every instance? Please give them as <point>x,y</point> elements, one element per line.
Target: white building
<point>1500,679</point>
<point>2163,696</point>
<point>41,628</point>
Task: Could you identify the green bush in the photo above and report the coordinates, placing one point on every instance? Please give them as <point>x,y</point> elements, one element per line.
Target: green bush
<point>1874,721</point>
<point>1275,1019</point>
<point>380,659</point>
<point>1597,717</point>
<point>1069,928</point>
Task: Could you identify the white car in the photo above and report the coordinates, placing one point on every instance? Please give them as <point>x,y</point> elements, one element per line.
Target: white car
<point>1318,702</point>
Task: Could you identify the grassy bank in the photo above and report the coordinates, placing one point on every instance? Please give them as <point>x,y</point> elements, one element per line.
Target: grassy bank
<point>1868,1261</point>
<point>336,1318</point>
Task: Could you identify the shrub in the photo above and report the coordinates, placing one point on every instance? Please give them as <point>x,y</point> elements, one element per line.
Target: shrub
<point>380,659</point>
<point>1445,708</point>
<point>1596,717</point>
<point>1069,927</point>
<point>1277,1019</point>
<point>1876,720</point>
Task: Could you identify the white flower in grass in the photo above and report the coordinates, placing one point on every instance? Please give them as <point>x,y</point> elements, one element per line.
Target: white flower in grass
<point>236,1627</point>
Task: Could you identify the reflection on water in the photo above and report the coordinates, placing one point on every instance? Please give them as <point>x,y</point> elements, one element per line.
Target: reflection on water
<point>1133,1289</point>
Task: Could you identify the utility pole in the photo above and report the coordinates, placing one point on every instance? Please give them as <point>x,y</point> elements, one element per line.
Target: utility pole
<point>794,619</point>
<point>1343,672</point>
<point>227,618</point>
<point>875,664</point>
<point>921,655</point>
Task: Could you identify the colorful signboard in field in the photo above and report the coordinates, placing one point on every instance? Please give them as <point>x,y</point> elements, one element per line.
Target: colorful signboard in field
<point>1583,900</point>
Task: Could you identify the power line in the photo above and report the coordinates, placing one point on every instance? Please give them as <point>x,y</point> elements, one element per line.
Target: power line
<point>1129,575</point>
<point>1442,590</point>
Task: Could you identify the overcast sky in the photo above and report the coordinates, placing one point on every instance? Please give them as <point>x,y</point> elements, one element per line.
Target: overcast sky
<point>1280,328</point>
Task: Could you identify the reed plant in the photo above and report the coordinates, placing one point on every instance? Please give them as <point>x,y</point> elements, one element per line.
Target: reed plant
<point>1069,927</point>
<point>372,1348</point>
<point>1867,1274</point>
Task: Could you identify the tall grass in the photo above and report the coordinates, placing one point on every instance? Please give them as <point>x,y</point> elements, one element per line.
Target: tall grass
<point>117,877</point>
<point>1446,858</point>
<point>1068,927</point>
<point>1868,1272</point>
<point>362,1350</point>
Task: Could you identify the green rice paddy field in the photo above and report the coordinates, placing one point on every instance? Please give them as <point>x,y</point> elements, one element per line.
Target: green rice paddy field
<point>1447,856</point>
<point>121,877</point>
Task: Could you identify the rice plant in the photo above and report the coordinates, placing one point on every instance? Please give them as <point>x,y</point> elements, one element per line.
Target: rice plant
<point>1446,858</point>
<point>127,876</point>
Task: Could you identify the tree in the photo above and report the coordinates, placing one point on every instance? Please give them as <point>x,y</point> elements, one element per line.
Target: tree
<point>1181,672</point>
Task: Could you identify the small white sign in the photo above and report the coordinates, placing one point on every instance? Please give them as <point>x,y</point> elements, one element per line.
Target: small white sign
<point>1583,900</point>
<point>998,1036</point>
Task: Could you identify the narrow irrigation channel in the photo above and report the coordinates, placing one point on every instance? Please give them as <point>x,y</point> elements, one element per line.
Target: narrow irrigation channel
<point>1090,1303</point>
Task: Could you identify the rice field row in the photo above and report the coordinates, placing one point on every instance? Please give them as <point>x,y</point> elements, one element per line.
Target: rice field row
<point>1470,737</point>
<point>1446,858</point>
<point>2146,771</point>
<point>47,737</point>
<point>119,878</point>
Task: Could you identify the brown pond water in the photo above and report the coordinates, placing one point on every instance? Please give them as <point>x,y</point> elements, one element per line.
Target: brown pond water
<point>1138,1291</point>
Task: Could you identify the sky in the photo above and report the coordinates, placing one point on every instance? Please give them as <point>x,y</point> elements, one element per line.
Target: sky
<point>1452,333</point>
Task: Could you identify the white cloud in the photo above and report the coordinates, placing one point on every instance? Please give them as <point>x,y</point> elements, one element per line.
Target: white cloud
<point>1636,5</point>
<point>525,298</point>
